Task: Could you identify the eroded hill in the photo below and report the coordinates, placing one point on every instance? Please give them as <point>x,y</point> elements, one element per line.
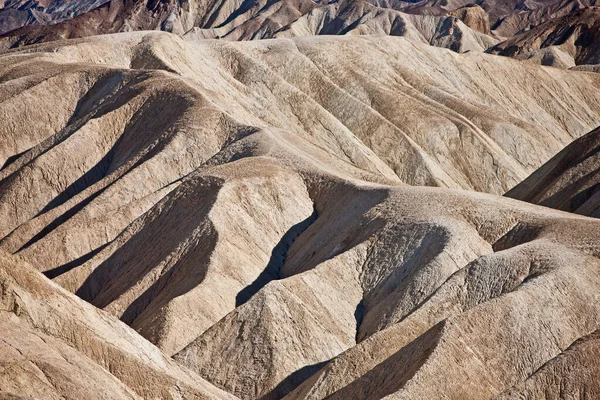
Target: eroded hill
<point>569,181</point>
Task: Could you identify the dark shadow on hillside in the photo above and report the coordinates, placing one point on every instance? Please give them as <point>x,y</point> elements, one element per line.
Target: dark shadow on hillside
<point>53,273</point>
<point>271,272</point>
<point>293,381</point>
<point>359,314</point>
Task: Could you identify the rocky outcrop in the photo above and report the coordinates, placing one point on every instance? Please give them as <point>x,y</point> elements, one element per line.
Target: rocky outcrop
<point>474,17</point>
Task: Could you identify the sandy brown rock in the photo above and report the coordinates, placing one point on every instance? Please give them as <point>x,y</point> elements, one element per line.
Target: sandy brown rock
<point>571,374</point>
<point>474,17</point>
<point>86,222</point>
<point>54,345</point>
<point>406,267</point>
<point>484,287</point>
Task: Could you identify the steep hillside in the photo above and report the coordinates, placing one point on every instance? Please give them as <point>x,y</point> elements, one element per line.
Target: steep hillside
<point>56,346</point>
<point>569,181</point>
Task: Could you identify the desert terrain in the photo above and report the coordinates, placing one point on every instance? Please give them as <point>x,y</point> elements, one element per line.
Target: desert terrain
<point>357,199</point>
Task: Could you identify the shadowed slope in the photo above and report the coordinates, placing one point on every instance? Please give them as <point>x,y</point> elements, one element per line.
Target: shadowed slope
<point>569,181</point>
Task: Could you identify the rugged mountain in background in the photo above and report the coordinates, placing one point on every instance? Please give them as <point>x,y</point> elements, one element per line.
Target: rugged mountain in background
<point>564,42</point>
<point>252,210</point>
<point>525,19</point>
<point>569,181</point>
<point>15,14</point>
<point>262,20</point>
<point>504,15</point>
<point>560,33</point>
<point>355,17</point>
<point>114,16</point>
